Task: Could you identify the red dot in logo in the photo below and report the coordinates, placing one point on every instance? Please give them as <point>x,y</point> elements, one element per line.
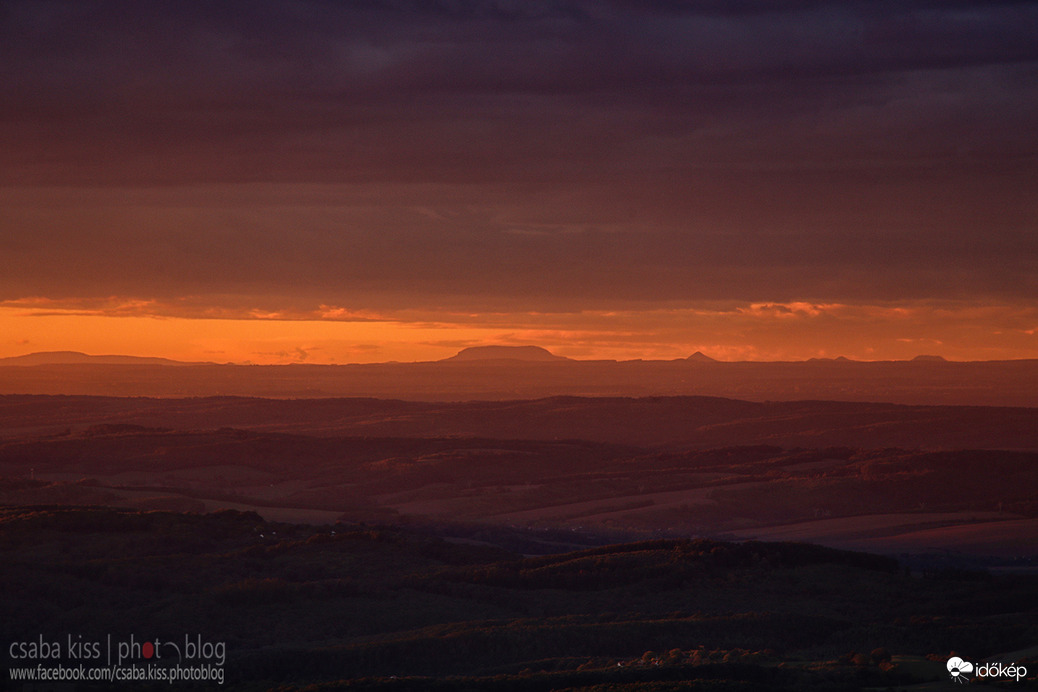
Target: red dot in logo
<point>147,649</point>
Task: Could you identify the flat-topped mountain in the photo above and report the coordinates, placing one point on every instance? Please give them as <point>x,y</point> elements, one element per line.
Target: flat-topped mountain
<point>525,353</point>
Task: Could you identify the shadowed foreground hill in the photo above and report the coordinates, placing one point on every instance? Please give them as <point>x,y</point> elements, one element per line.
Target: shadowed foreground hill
<point>392,609</point>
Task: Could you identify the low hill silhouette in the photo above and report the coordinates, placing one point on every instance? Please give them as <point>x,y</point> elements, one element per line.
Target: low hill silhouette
<point>78,358</point>
<point>356,607</point>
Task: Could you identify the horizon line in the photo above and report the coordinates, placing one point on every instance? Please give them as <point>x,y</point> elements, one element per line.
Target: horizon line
<point>702,359</point>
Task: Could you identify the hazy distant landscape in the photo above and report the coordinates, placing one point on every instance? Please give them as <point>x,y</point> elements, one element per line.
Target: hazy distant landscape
<point>892,500</point>
<point>637,466</point>
<point>543,543</point>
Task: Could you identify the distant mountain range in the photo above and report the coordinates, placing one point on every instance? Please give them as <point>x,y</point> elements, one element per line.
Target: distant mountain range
<point>531,372</point>
<point>531,354</point>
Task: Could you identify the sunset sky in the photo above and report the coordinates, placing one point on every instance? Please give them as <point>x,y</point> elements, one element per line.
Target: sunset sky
<point>374,180</point>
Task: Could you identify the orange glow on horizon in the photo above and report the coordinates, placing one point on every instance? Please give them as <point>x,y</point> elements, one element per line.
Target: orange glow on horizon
<point>793,331</point>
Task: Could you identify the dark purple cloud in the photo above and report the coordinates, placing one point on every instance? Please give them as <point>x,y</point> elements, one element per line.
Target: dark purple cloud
<point>462,90</point>
<point>521,152</point>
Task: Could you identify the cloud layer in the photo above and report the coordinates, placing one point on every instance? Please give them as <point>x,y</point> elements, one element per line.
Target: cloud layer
<point>508,156</point>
